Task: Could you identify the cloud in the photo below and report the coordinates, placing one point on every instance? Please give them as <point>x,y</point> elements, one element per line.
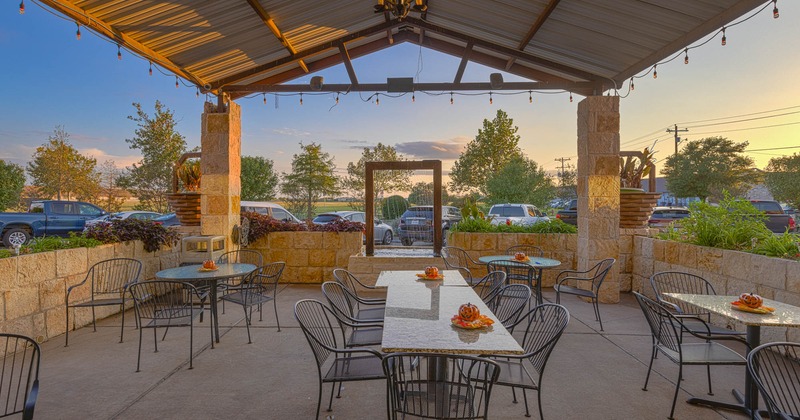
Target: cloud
<point>291,132</point>
<point>433,149</point>
<point>121,161</point>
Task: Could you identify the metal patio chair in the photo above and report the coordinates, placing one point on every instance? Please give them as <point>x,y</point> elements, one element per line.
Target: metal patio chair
<point>343,300</point>
<point>592,277</point>
<point>240,256</point>
<point>335,362</point>
<point>433,385</point>
<point>529,250</point>
<point>519,272</point>
<point>351,282</point>
<point>458,259</point>
<point>668,339</point>
<point>775,368</point>
<point>108,282</point>
<point>490,284</point>
<point>509,302</point>
<point>357,332</point>
<point>19,375</point>
<point>257,288</point>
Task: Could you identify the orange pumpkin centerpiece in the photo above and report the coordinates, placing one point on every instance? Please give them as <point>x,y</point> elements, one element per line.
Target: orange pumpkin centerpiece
<point>520,256</point>
<point>209,264</point>
<point>432,271</point>
<point>751,300</point>
<point>469,312</point>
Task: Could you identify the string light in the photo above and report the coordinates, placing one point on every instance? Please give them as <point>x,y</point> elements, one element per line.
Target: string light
<point>655,71</point>
<point>724,38</point>
<point>151,68</point>
<point>301,98</point>
<point>632,86</point>
<point>413,97</point>
<point>530,97</point>
<point>337,99</point>
<point>119,53</point>
<point>490,98</point>
<point>451,98</point>
<point>22,7</point>
<point>570,96</point>
<point>78,33</point>
<point>686,56</point>
<point>775,13</point>
<point>196,92</point>
<point>264,95</point>
<point>377,99</point>
<point>176,82</point>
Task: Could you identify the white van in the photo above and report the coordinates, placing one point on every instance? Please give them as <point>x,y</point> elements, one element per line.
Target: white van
<point>276,211</point>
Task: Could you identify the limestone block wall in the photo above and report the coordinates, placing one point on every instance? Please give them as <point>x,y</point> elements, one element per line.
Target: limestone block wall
<point>626,256</point>
<point>33,286</point>
<point>730,272</point>
<point>559,246</point>
<point>310,257</point>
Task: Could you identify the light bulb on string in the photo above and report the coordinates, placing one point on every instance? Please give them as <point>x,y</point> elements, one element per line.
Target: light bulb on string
<point>301,98</point>
<point>655,71</point>
<point>337,99</point>
<point>196,92</point>
<point>176,82</point>
<point>150,70</point>
<point>490,98</point>
<point>632,86</point>
<point>775,13</point>
<point>264,95</point>
<point>451,98</point>
<point>119,53</point>
<point>530,97</point>
<point>570,96</point>
<point>377,99</point>
<point>686,56</point>
<point>413,97</point>
<point>22,7</point>
<point>724,38</point>
<point>78,32</point>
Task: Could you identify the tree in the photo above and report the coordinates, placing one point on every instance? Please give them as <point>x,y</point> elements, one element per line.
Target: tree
<point>312,177</point>
<point>567,184</point>
<point>422,194</point>
<point>783,179</point>
<point>59,170</point>
<point>161,146</point>
<point>259,179</point>
<point>110,196</point>
<point>520,180</point>
<point>12,180</point>
<point>708,167</point>
<point>383,181</point>
<point>494,146</point>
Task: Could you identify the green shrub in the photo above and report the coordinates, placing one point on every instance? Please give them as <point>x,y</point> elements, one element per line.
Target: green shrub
<point>393,207</point>
<point>782,246</point>
<point>52,243</point>
<point>485,226</point>
<point>733,224</point>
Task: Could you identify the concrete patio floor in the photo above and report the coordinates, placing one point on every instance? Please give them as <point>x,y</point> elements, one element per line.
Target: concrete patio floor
<point>591,375</point>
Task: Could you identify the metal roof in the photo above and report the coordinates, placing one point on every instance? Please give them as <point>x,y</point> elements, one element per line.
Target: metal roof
<point>585,46</point>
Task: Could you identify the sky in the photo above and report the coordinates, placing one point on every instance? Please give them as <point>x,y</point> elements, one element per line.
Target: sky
<point>747,90</point>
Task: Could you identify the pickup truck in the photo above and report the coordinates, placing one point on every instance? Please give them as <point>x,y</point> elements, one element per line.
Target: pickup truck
<point>777,221</point>
<point>48,217</point>
<point>570,213</point>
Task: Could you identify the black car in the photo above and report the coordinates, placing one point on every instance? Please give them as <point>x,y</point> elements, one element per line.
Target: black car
<point>416,224</point>
<point>569,214</point>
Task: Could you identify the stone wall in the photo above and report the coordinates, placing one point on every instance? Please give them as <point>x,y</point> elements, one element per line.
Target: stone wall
<point>558,246</point>
<point>730,272</point>
<point>33,286</point>
<point>310,257</point>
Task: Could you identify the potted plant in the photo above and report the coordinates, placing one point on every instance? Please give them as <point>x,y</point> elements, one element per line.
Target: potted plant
<point>185,198</point>
<point>635,205</point>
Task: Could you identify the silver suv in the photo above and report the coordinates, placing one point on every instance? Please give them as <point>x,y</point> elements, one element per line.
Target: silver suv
<point>518,214</point>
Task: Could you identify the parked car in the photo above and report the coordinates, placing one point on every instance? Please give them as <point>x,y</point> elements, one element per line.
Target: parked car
<point>793,214</point>
<point>777,220</point>
<point>569,214</point>
<point>416,223</point>
<point>383,232</point>
<point>122,215</point>
<point>276,211</point>
<point>664,216</point>
<point>167,220</point>
<point>47,217</point>
<point>518,214</point>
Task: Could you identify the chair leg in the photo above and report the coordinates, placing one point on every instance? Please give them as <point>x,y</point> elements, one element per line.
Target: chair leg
<point>708,372</point>
<point>649,368</point>
<point>539,395</point>
<point>597,312</point>
<point>191,343</point>
<point>122,328</point>
<point>330,401</point>
<point>155,340</point>
<point>514,394</point>
<point>66,338</point>
<point>677,388</point>
<point>94,320</point>
<point>319,398</point>
<point>247,323</point>
<point>525,398</point>
<point>275,305</point>
<point>139,356</point>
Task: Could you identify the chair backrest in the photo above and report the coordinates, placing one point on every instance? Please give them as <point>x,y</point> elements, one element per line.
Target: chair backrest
<point>457,259</point>
<point>775,368</point>
<point>469,383</point>
<point>677,282</point>
<point>507,304</point>
<point>600,271</point>
<point>268,275</point>
<point>348,280</point>
<point>341,303</point>
<point>529,250</point>
<point>514,270</point>
<point>317,323</point>
<point>665,328</point>
<point>544,325</point>
<point>163,299</point>
<point>242,256</point>
<point>490,284</point>
<point>114,275</point>
<point>19,375</point>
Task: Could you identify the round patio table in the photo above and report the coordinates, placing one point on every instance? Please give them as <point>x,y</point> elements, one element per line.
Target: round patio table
<point>537,263</point>
<point>191,274</point>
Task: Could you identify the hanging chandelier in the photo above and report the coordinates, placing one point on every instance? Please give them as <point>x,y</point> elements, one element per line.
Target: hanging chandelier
<point>400,8</point>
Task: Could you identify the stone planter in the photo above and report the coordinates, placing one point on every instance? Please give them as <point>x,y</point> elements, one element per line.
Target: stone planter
<point>186,207</point>
<point>635,208</point>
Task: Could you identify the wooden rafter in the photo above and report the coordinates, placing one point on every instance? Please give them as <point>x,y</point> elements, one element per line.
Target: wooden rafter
<point>351,72</point>
<point>86,19</point>
<point>267,19</point>
<point>463,65</point>
<point>384,87</point>
<point>540,20</point>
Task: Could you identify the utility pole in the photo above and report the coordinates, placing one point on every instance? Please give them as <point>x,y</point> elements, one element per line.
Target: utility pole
<point>562,160</point>
<point>677,139</point>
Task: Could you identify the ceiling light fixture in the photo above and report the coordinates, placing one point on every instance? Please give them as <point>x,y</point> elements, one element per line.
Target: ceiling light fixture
<point>401,8</point>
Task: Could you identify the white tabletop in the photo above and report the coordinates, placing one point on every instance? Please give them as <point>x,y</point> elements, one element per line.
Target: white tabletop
<point>418,320</point>
<point>785,315</point>
<point>409,277</point>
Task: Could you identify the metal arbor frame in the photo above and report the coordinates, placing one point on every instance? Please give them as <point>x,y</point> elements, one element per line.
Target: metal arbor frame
<point>371,167</point>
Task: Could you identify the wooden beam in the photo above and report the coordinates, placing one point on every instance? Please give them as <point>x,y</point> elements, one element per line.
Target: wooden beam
<point>351,72</point>
<point>535,28</point>
<point>388,18</point>
<point>84,18</point>
<point>577,87</point>
<point>267,19</point>
<point>463,65</point>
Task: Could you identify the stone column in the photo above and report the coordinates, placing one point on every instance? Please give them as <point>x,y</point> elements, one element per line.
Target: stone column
<point>598,188</point>
<point>221,148</point>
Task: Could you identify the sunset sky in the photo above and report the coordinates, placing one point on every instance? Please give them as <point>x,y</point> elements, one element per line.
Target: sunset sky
<point>736,91</point>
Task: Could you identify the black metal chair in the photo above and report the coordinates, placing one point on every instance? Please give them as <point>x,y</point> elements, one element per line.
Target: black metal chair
<point>490,284</point>
<point>344,301</point>
<point>775,368</point>
<point>593,276</point>
<point>351,282</point>
<point>357,332</point>
<point>257,288</point>
<point>668,339</point>
<point>458,259</point>
<point>678,282</point>
<point>240,256</point>
<point>19,375</point>
<point>519,272</point>
<point>544,325</point>
<point>166,304</point>
<point>509,302</point>
<point>429,385</point>
<point>109,281</point>
<point>335,362</point>
<point>529,250</point>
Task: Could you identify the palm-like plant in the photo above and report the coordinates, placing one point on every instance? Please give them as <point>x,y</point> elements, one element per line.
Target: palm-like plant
<point>632,169</point>
<point>189,174</point>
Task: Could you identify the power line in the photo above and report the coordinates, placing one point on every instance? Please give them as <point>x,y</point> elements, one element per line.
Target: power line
<point>747,119</point>
<point>739,116</point>
<point>773,148</point>
<point>749,128</point>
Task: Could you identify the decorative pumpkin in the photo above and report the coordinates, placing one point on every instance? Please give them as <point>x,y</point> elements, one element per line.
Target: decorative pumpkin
<point>520,256</point>
<point>508,222</point>
<point>209,264</point>
<point>431,271</point>
<point>751,300</point>
<point>469,312</point>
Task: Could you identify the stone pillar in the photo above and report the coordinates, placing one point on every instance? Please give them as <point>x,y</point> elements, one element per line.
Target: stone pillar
<point>598,188</point>
<point>221,148</point>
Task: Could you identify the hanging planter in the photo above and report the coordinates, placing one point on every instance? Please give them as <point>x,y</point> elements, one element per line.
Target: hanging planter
<point>635,205</point>
<point>185,201</point>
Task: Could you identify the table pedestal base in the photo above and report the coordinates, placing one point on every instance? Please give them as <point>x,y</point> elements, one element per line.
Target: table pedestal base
<point>724,405</point>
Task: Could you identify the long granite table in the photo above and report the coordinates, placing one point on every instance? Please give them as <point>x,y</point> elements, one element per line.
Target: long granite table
<point>409,277</point>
